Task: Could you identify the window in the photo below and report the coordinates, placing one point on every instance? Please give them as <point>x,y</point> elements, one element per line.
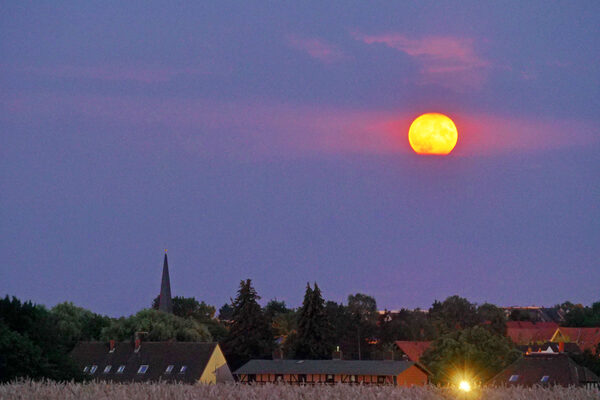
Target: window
<point>142,369</point>
<point>513,378</point>
<point>121,369</point>
<point>302,378</point>
<point>86,369</point>
<point>251,378</point>
<point>353,378</point>
<point>169,369</point>
<point>330,378</point>
<point>381,379</point>
<point>107,369</point>
<point>545,379</point>
<point>93,369</point>
<point>183,369</point>
<point>278,378</point>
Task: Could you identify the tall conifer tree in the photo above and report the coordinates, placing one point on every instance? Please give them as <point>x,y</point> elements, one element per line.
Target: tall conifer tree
<point>250,334</point>
<point>314,340</point>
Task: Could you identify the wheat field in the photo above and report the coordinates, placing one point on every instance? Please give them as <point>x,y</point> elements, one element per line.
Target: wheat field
<point>156,391</point>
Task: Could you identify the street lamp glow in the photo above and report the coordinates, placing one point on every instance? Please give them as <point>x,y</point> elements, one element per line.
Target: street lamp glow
<point>464,386</point>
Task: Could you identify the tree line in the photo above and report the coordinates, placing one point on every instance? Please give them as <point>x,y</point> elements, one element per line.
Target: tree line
<point>35,342</point>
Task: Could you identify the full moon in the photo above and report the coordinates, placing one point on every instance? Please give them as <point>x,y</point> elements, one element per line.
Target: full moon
<point>432,133</point>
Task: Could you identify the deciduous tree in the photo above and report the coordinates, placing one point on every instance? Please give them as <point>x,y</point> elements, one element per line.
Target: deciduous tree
<point>159,326</point>
<point>454,313</point>
<point>474,352</point>
<point>363,311</point>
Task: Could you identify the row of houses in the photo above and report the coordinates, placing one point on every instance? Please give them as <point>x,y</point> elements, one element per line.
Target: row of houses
<point>194,362</point>
<point>546,360</point>
<point>535,333</point>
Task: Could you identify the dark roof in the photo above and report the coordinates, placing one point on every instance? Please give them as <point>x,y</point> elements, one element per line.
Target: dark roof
<point>164,302</point>
<point>570,348</point>
<point>560,369</point>
<point>347,367</point>
<point>157,355</point>
<point>554,314</point>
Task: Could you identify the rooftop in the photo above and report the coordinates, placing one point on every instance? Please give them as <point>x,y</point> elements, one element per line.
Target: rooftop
<point>348,367</point>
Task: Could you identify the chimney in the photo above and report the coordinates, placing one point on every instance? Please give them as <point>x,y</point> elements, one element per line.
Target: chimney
<point>112,345</point>
<point>277,354</point>
<point>138,344</point>
<point>561,347</point>
<point>337,354</point>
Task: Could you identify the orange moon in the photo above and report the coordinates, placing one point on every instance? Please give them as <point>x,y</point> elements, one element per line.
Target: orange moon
<point>432,133</point>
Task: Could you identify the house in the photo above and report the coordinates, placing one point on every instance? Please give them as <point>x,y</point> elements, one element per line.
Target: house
<point>550,347</point>
<point>186,362</point>
<point>586,338</point>
<point>413,350</point>
<point>397,373</point>
<point>538,314</point>
<point>527,332</point>
<point>546,370</point>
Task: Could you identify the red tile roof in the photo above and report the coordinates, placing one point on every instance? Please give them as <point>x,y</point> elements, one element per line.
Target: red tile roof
<point>586,338</point>
<point>531,325</point>
<point>414,350</point>
<point>527,332</point>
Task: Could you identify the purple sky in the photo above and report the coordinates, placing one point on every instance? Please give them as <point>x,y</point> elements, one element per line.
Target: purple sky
<point>270,142</point>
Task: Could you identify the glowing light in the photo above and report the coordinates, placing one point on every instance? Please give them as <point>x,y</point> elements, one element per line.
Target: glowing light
<point>464,386</point>
<point>432,133</point>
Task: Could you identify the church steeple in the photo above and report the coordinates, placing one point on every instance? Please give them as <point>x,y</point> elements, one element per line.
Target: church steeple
<point>164,303</point>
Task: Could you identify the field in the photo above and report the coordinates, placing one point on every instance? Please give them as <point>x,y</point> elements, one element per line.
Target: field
<point>51,391</point>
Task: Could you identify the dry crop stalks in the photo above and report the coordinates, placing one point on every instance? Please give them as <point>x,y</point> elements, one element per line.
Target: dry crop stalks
<point>154,391</point>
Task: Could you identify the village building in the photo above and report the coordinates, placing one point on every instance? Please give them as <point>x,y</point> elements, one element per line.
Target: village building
<point>546,369</point>
<point>527,332</point>
<point>538,314</point>
<point>397,373</point>
<point>412,350</point>
<point>165,303</point>
<point>186,362</point>
<point>585,338</point>
<point>551,347</point>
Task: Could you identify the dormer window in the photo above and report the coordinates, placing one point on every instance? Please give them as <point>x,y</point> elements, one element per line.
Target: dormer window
<point>107,369</point>
<point>142,369</point>
<point>545,379</point>
<point>121,369</point>
<point>169,369</point>
<point>513,378</point>
<point>93,369</point>
<point>183,369</point>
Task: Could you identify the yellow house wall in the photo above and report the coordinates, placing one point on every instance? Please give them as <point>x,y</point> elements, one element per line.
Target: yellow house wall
<point>560,337</point>
<point>217,359</point>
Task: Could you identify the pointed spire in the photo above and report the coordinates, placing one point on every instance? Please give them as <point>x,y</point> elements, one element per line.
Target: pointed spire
<point>165,304</point>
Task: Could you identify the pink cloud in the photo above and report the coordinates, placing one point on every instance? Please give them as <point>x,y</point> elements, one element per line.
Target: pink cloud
<point>316,48</point>
<point>250,130</point>
<point>447,61</point>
